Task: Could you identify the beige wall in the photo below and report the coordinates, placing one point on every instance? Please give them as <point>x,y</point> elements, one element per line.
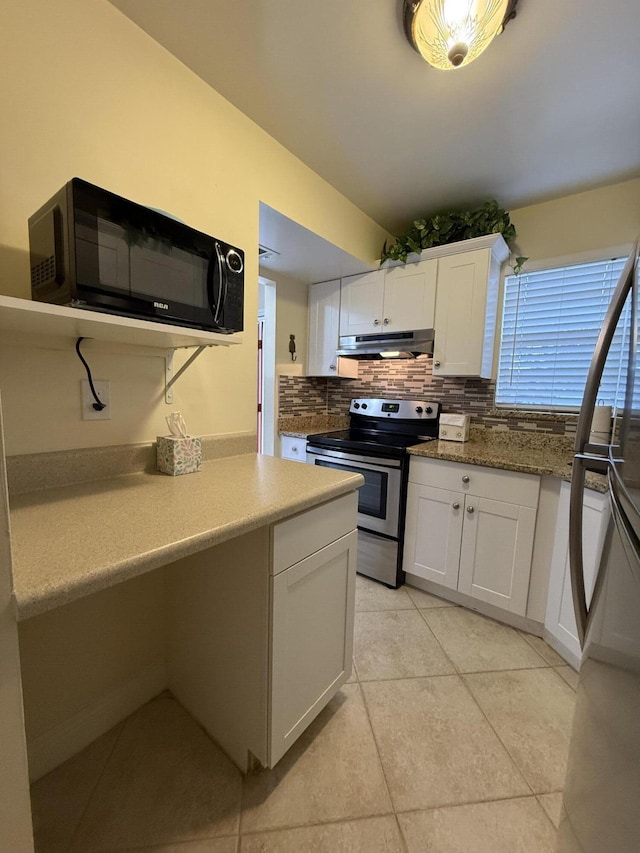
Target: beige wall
<point>292,318</point>
<point>584,222</point>
<point>85,92</point>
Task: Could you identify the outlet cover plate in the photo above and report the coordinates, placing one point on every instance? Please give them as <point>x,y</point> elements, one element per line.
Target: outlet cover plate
<point>104,393</point>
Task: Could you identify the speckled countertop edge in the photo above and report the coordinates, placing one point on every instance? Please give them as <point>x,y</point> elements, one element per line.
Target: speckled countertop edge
<point>542,454</point>
<point>71,541</point>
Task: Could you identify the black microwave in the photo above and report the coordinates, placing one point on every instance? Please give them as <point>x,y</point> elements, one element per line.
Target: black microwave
<point>92,249</point>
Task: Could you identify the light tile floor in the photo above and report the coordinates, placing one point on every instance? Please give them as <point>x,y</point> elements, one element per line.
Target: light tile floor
<point>451,737</point>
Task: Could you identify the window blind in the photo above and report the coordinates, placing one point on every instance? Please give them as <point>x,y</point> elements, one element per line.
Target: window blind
<point>551,321</point>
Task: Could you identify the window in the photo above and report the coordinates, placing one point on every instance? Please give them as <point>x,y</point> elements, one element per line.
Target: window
<point>550,326</point>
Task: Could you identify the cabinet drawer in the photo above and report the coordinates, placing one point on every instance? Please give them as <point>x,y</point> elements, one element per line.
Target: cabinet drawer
<point>304,534</point>
<point>293,448</point>
<point>510,486</point>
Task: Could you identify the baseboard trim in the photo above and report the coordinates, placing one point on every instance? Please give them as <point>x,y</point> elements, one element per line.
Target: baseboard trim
<point>52,748</point>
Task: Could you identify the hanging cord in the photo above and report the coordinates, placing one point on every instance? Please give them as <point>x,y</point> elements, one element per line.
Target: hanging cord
<point>98,405</point>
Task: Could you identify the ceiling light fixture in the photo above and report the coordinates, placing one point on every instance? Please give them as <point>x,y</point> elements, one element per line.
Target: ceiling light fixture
<point>452,33</point>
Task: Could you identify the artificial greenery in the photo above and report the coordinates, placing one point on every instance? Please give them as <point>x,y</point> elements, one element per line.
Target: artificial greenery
<point>451,226</point>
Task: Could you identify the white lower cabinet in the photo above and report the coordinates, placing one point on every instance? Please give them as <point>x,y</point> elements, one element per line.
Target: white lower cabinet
<point>560,620</point>
<point>294,448</point>
<point>260,629</point>
<point>472,529</point>
<point>312,638</point>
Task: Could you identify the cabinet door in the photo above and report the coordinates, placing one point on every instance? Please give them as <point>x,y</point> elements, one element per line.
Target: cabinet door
<point>433,533</point>
<point>361,310</point>
<point>312,638</point>
<point>495,559</point>
<point>324,320</point>
<point>560,619</point>
<point>465,311</point>
<point>410,297</point>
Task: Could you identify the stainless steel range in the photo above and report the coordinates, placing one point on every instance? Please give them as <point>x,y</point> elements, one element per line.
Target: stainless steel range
<point>375,445</point>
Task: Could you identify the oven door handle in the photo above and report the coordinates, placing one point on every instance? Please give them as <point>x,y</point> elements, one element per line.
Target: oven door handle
<point>351,459</point>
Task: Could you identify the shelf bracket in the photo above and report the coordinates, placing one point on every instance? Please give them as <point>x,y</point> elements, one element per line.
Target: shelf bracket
<point>170,377</point>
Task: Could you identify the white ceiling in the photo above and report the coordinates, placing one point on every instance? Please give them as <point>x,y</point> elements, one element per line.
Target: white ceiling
<point>552,107</point>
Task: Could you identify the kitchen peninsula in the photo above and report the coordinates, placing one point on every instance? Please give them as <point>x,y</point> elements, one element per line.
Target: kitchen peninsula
<point>232,587</point>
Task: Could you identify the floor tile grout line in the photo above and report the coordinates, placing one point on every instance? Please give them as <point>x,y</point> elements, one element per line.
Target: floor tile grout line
<point>475,803</point>
<point>74,834</point>
<point>438,643</point>
<point>524,636</point>
<point>506,749</point>
<point>272,829</point>
<point>377,746</point>
<point>394,813</point>
<point>563,679</point>
<point>542,665</point>
<point>462,673</point>
<point>545,811</point>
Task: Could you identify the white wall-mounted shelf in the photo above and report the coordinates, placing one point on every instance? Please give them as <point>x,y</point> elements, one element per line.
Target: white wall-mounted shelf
<point>41,318</point>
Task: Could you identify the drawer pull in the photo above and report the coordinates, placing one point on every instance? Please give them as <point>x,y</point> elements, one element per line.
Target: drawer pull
<point>455,505</point>
<point>436,364</point>
<point>470,510</point>
<point>465,479</point>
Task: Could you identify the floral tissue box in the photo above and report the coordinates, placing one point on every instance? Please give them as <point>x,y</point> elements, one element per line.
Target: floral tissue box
<point>178,455</point>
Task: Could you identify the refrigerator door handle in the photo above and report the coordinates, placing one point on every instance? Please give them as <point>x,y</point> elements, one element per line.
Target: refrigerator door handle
<point>576,567</point>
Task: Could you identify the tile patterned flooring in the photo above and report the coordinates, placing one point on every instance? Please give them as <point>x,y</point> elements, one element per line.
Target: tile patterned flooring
<point>451,737</point>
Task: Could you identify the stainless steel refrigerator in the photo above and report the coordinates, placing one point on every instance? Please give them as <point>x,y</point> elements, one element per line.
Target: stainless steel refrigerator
<point>601,811</point>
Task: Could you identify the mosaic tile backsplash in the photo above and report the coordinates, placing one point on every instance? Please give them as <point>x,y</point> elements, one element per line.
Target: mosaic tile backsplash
<point>300,395</point>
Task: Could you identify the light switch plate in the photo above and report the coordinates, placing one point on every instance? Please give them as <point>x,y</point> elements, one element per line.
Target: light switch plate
<point>104,394</point>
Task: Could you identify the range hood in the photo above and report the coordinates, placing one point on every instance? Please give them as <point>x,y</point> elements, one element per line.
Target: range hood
<point>387,345</point>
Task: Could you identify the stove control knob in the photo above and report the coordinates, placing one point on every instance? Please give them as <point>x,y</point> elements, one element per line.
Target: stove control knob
<point>429,410</point>
<point>419,410</point>
<point>364,405</point>
<point>356,405</point>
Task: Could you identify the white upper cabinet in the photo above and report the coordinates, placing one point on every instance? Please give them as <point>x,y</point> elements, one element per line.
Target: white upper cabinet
<point>467,309</point>
<point>394,300</point>
<point>362,308</point>
<point>324,320</point>
<point>410,297</point>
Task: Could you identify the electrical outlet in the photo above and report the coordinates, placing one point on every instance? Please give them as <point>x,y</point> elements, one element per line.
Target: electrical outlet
<point>104,394</point>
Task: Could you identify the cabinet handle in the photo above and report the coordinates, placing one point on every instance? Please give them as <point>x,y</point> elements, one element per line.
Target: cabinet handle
<point>332,367</point>
<point>465,479</point>
<point>436,364</point>
<point>376,322</point>
<point>386,321</point>
<point>455,505</point>
<point>470,510</point>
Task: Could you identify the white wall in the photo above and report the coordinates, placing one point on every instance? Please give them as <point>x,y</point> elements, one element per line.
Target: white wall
<point>85,92</point>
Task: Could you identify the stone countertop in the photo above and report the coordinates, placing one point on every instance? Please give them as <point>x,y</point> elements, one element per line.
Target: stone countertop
<point>511,450</point>
<point>300,426</point>
<point>70,541</point>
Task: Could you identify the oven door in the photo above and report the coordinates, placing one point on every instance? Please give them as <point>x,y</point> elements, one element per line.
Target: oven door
<point>379,498</point>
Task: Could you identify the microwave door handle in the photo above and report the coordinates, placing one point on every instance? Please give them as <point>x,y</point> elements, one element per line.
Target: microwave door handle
<point>215,261</point>
<point>222,289</point>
